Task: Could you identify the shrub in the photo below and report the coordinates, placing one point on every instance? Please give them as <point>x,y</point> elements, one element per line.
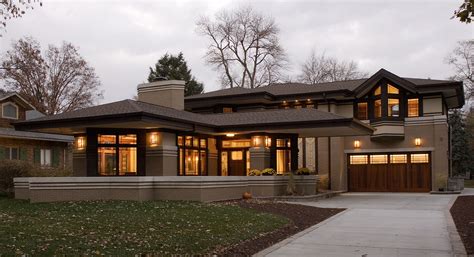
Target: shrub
<point>255,172</point>
<point>303,171</point>
<point>12,169</point>
<point>291,186</point>
<point>268,172</point>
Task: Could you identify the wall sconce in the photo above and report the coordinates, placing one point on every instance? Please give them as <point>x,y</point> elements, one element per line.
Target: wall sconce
<point>80,143</point>
<point>417,141</point>
<point>256,141</point>
<point>268,141</point>
<point>230,135</point>
<point>356,144</point>
<point>154,138</point>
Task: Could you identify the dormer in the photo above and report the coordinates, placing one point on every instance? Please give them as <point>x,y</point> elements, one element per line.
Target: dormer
<point>13,108</point>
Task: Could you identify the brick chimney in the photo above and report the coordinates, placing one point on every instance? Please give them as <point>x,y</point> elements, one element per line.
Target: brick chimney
<point>169,93</point>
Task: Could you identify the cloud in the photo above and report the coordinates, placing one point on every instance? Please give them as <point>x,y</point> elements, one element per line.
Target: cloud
<point>121,39</point>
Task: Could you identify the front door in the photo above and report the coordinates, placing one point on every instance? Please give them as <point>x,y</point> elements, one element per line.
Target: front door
<point>236,160</point>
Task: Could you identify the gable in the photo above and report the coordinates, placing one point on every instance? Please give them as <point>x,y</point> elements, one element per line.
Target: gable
<point>17,100</point>
<point>379,76</point>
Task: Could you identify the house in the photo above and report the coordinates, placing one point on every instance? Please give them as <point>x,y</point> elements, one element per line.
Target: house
<point>42,149</point>
<point>384,133</point>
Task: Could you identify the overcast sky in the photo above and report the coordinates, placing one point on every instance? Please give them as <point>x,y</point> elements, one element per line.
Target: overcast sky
<point>121,39</point>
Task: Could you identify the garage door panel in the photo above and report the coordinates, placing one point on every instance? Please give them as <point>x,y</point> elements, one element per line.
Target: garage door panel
<point>397,175</point>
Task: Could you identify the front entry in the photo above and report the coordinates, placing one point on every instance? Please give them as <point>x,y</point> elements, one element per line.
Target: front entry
<point>391,172</point>
<point>234,162</point>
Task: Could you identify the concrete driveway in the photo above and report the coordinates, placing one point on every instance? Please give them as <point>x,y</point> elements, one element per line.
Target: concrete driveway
<point>377,224</point>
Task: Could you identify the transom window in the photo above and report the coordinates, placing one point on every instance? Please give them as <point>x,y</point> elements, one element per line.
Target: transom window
<point>362,111</point>
<point>392,90</point>
<point>413,107</point>
<point>10,111</point>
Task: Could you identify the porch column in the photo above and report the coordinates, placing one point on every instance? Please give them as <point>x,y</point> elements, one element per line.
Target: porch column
<point>161,154</point>
<point>259,154</point>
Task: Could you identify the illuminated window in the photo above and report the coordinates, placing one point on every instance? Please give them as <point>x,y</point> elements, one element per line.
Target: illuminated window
<point>283,161</point>
<point>398,158</point>
<point>309,105</point>
<point>378,159</point>
<point>358,159</point>
<point>413,108</point>
<point>419,158</point>
<point>224,166</point>
<point>378,108</point>
<point>362,111</point>
<point>128,139</point>
<point>192,156</point>
<point>393,107</point>
<point>298,106</point>
<point>378,90</point>
<point>236,143</point>
<point>237,155</point>
<point>227,110</point>
<point>107,139</point>
<point>392,90</point>
<point>283,143</point>
<point>117,157</point>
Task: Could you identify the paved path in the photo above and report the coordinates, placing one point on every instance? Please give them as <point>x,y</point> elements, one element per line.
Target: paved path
<point>378,224</point>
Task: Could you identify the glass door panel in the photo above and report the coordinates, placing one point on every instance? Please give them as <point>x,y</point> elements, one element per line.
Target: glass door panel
<point>107,161</point>
<point>127,161</point>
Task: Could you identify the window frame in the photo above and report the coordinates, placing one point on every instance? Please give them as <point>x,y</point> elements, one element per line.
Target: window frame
<point>17,111</point>
<point>117,146</point>
<point>43,154</point>
<point>195,145</point>
<point>9,152</point>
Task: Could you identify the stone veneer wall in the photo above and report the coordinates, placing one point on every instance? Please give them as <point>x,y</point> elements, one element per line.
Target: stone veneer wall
<point>205,188</point>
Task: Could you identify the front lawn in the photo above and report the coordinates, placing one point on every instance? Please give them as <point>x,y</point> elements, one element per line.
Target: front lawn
<point>126,227</point>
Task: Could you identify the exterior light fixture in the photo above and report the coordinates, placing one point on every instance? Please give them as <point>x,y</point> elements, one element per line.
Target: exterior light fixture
<point>296,101</point>
<point>230,135</point>
<point>356,144</point>
<point>154,139</point>
<point>256,141</point>
<point>417,141</point>
<point>80,143</point>
<point>284,102</point>
<point>309,100</point>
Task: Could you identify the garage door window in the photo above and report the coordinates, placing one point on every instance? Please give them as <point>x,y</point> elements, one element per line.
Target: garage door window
<point>379,159</point>
<point>359,159</point>
<point>398,158</point>
<point>419,158</point>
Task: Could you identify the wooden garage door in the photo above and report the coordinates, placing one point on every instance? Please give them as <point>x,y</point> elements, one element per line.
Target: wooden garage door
<point>389,172</point>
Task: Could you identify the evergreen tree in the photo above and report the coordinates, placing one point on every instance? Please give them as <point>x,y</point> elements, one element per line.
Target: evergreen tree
<point>462,157</point>
<point>175,67</point>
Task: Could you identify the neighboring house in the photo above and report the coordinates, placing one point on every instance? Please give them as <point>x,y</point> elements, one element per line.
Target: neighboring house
<point>46,150</point>
<point>384,133</point>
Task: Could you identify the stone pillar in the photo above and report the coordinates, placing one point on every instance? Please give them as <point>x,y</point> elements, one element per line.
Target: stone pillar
<point>212,157</point>
<point>440,156</point>
<point>161,154</point>
<point>79,160</point>
<point>259,158</point>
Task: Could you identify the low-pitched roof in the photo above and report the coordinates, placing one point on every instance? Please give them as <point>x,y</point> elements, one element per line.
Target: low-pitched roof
<point>138,111</point>
<point>349,87</point>
<point>12,133</point>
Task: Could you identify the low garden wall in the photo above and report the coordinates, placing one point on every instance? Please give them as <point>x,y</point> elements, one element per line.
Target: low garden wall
<point>205,188</point>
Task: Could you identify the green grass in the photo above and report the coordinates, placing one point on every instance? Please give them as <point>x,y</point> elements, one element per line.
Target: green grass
<point>125,228</point>
<point>469,183</point>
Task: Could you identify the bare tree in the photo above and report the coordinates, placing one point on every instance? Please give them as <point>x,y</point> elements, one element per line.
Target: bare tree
<point>58,81</point>
<point>244,47</point>
<point>319,68</point>
<point>10,9</point>
<point>462,60</point>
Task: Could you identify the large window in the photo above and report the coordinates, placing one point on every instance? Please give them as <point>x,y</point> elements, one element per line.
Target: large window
<point>393,107</point>
<point>117,154</point>
<point>378,108</point>
<point>192,156</point>
<point>283,155</point>
<point>12,153</point>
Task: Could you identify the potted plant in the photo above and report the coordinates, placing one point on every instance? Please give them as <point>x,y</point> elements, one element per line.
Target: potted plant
<point>303,171</point>
<point>255,172</point>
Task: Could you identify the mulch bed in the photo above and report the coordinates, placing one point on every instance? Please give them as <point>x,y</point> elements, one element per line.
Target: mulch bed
<point>301,217</point>
<point>463,216</point>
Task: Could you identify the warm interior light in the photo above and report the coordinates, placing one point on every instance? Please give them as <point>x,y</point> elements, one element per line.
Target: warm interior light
<point>356,144</point>
<point>80,143</point>
<point>230,135</point>
<point>309,100</point>
<point>256,141</point>
<point>417,141</point>
<point>268,141</point>
<point>296,101</point>
<point>154,139</point>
